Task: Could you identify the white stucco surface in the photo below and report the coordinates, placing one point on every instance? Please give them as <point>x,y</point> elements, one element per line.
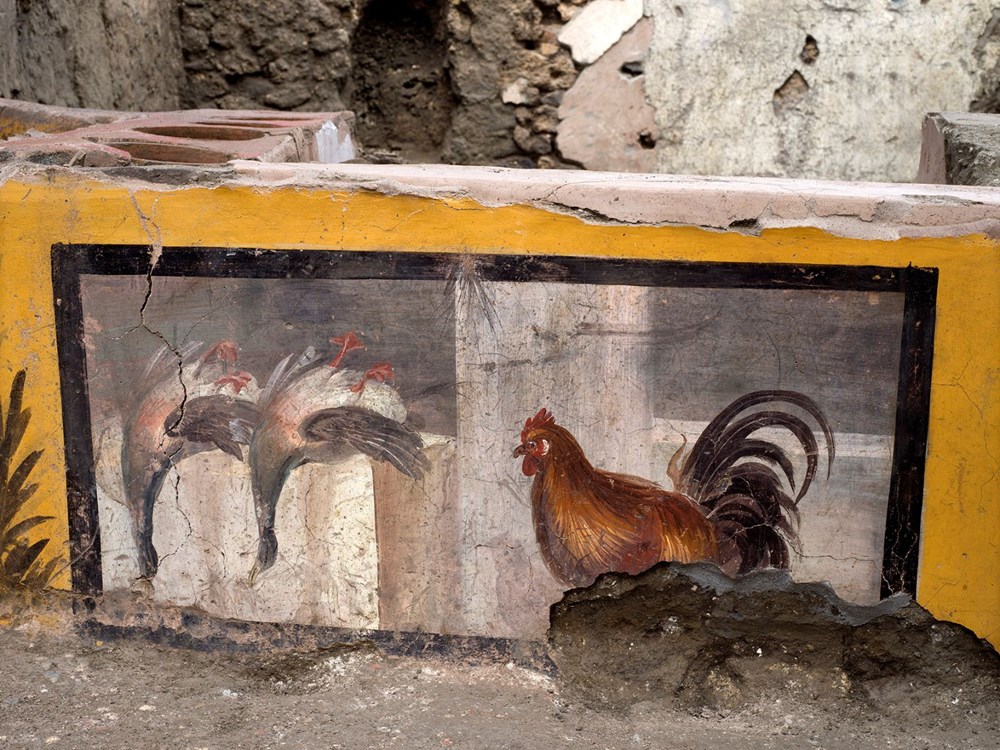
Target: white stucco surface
<point>714,67</point>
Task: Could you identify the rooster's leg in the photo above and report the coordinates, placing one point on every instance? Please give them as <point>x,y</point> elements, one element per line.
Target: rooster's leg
<point>380,371</point>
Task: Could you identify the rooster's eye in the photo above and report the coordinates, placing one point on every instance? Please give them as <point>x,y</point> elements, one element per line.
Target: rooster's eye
<point>531,445</point>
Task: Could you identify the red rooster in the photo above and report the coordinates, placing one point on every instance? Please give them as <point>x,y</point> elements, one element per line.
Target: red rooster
<point>729,505</point>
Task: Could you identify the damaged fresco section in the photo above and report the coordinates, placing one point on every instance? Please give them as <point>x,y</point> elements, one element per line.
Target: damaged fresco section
<point>445,444</point>
<point>292,379</point>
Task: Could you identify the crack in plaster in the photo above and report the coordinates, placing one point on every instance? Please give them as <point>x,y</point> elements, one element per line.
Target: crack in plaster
<point>177,505</point>
<point>149,226</point>
<point>221,552</point>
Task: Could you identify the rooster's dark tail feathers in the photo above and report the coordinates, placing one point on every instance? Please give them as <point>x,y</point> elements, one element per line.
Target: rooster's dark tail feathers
<point>735,477</point>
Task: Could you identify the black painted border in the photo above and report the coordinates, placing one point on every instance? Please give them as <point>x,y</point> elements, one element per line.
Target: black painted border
<point>901,547</point>
<point>919,286</point>
<point>200,632</point>
<point>81,483</point>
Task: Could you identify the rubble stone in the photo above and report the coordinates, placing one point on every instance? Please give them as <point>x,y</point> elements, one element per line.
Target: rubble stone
<point>606,122</point>
<point>596,27</point>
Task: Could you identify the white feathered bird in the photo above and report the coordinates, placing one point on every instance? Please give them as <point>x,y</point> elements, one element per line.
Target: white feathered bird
<point>188,401</point>
<point>312,411</point>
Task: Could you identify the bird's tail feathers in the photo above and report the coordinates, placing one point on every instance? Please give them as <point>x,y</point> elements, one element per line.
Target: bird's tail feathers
<point>745,483</point>
<point>286,371</point>
<point>167,361</point>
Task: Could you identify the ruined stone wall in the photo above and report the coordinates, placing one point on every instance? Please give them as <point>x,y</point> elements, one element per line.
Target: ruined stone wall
<point>476,81</point>
<point>280,55</point>
<point>835,90</point>
<point>114,54</point>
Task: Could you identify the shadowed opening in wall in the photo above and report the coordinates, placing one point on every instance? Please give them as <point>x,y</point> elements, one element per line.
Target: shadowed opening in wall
<point>400,89</point>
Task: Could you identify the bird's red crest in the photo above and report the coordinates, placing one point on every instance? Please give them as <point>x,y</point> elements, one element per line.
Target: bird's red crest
<point>544,418</point>
<point>224,351</point>
<point>347,343</point>
<point>238,380</point>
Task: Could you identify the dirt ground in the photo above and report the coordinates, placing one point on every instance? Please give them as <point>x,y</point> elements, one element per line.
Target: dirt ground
<point>65,691</point>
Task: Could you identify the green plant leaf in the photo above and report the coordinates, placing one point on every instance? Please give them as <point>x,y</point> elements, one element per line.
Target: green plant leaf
<point>20,558</point>
<point>24,495</point>
<point>12,504</point>
<point>8,509</point>
<point>41,576</point>
<point>19,561</point>
<point>16,426</point>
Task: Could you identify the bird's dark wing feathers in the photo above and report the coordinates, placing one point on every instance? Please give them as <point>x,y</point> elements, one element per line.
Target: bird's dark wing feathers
<point>370,433</point>
<point>224,421</point>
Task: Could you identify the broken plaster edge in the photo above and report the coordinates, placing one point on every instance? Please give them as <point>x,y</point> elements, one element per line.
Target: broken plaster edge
<point>709,576</point>
<point>748,205</point>
<point>868,211</point>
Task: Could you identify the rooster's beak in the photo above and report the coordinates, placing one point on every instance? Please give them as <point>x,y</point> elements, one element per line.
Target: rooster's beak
<point>520,451</point>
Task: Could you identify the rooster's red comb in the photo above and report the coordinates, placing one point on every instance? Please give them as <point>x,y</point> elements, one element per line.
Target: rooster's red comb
<point>544,418</point>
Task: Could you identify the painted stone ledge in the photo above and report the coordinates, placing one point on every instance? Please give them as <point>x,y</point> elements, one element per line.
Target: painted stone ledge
<point>18,117</point>
<point>748,205</point>
<point>464,316</point>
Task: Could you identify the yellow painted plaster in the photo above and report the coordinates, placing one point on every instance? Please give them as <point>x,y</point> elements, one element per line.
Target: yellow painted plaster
<point>960,561</point>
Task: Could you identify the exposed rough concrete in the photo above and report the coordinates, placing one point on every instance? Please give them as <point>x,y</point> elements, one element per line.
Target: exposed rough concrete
<point>601,23</point>
<point>961,148</point>
<point>116,54</point>
<point>494,45</point>
<point>905,680</point>
<point>818,89</point>
<point>78,692</point>
<point>282,55</point>
<point>606,122</point>
<point>689,636</point>
<point>400,88</point>
<point>987,56</point>
<point>426,82</point>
